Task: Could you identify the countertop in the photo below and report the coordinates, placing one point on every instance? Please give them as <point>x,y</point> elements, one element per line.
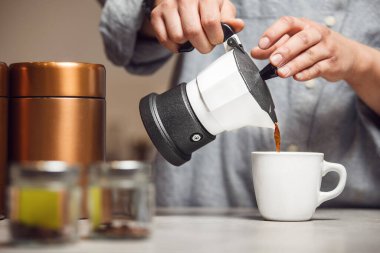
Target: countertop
<point>236,230</point>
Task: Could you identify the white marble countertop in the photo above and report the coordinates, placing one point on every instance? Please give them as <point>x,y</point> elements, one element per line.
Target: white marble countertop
<point>237,230</point>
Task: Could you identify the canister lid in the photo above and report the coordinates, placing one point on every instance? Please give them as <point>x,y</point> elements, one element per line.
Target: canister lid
<point>3,80</point>
<point>57,79</point>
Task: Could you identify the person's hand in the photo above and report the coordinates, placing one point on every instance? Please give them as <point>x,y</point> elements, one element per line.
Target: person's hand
<point>198,21</point>
<point>305,50</point>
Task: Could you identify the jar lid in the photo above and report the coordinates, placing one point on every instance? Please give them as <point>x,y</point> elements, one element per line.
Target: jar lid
<point>3,80</point>
<point>37,169</point>
<point>120,168</point>
<point>128,165</point>
<point>57,79</point>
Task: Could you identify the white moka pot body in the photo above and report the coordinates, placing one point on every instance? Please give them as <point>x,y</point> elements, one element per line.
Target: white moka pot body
<point>221,100</point>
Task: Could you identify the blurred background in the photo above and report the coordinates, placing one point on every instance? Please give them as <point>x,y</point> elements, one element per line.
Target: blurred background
<point>56,30</point>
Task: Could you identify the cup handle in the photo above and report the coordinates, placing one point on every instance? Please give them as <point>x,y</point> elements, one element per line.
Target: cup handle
<point>338,168</point>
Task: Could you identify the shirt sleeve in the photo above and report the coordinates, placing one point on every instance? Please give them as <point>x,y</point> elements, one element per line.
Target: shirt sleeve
<point>119,25</point>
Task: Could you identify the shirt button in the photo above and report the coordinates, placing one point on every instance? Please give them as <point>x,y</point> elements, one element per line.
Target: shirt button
<point>292,148</point>
<point>310,84</point>
<point>330,21</point>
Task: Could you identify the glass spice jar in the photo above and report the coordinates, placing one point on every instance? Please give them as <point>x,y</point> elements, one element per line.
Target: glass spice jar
<point>120,200</point>
<point>44,202</point>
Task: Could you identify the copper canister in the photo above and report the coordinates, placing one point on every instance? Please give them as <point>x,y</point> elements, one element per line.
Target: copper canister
<point>3,133</point>
<point>57,112</point>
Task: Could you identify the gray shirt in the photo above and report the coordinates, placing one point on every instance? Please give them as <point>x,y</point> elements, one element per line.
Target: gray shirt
<point>314,116</point>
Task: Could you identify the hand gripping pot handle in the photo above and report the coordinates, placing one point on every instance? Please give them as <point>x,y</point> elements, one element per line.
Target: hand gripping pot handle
<point>188,47</point>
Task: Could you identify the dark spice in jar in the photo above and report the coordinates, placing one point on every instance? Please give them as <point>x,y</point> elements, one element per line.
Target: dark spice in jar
<point>122,231</point>
<point>25,232</point>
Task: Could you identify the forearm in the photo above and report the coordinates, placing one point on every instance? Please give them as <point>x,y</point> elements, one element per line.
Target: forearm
<point>365,75</point>
<point>120,25</point>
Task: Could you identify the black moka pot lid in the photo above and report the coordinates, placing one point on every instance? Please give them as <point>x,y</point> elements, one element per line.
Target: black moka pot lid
<point>255,83</point>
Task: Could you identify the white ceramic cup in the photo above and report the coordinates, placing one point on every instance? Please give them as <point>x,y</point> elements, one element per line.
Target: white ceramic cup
<point>287,184</point>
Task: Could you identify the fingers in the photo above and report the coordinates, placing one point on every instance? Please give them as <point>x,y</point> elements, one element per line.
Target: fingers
<point>173,27</point>
<point>303,61</point>
<point>159,29</point>
<point>314,71</point>
<point>285,25</point>
<point>228,10</point>
<point>295,45</point>
<point>262,54</point>
<point>210,20</point>
<point>228,16</point>
<point>304,49</point>
<point>292,45</point>
<point>176,21</point>
<point>192,27</point>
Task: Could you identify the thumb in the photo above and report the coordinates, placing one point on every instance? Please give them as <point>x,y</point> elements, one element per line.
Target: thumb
<point>228,16</point>
<point>237,24</point>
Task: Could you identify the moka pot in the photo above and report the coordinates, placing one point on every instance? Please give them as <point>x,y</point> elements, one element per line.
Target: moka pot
<point>229,94</point>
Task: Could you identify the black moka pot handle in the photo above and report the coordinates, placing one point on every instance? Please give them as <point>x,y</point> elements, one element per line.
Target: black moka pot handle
<point>268,72</point>
<point>188,47</point>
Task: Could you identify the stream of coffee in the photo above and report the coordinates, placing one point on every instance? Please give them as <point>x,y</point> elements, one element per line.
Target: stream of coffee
<point>277,137</point>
